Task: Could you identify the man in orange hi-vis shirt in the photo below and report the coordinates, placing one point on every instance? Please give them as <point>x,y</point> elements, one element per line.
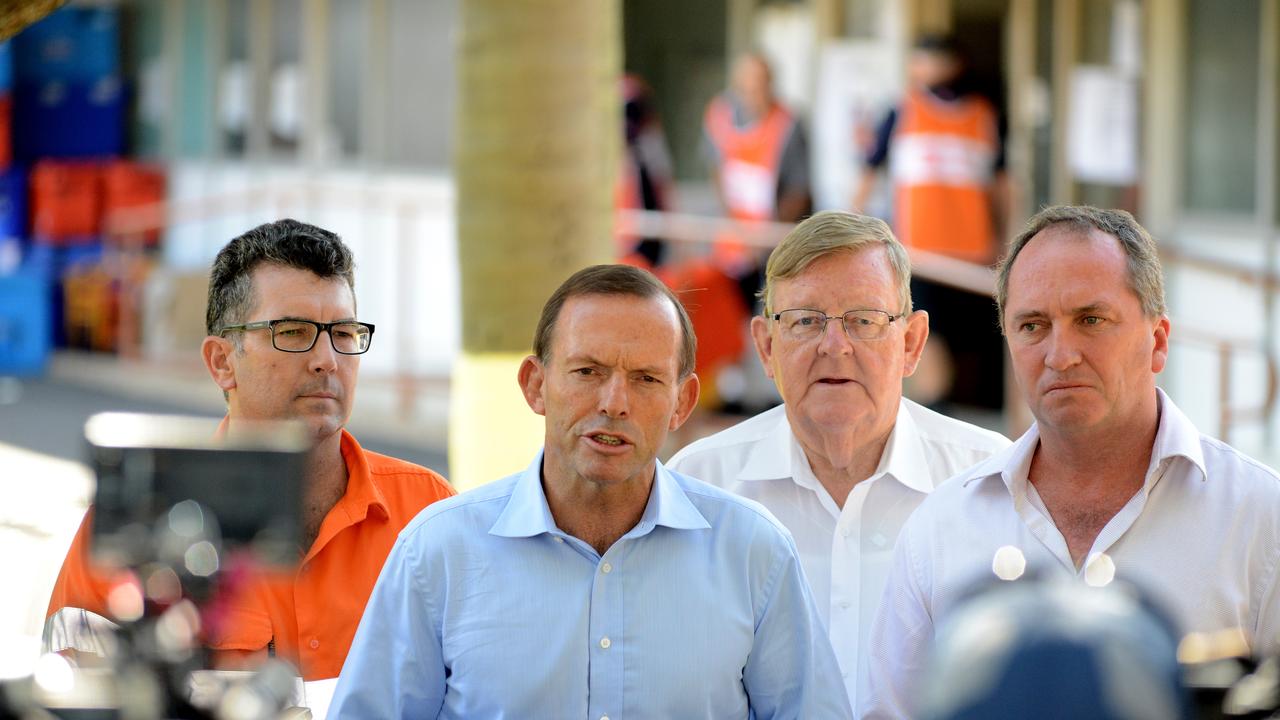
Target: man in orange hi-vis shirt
<point>283,344</point>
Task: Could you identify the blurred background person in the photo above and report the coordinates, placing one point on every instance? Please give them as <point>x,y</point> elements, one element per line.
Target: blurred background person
<point>759,162</point>
<point>944,151</point>
<point>647,179</point>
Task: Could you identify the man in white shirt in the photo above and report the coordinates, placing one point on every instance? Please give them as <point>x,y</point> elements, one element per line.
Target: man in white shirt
<point>1112,480</point>
<point>846,458</point>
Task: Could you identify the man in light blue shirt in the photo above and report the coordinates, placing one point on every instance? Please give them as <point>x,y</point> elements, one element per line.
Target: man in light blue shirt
<point>596,584</point>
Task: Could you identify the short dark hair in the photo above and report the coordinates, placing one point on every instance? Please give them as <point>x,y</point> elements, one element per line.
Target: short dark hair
<point>1146,278</point>
<point>614,280</point>
<point>288,243</point>
<point>941,44</point>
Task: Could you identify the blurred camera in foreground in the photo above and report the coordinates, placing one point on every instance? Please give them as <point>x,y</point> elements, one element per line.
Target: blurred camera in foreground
<point>1056,649</point>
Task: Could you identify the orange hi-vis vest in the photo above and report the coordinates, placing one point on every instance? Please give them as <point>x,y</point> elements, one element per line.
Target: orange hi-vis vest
<point>750,162</point>
<point>942,160</point>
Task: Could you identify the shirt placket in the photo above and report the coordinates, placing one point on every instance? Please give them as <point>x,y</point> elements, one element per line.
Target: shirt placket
<point>606,637</point>
<point>846,588</point>
<point>1119,525</point>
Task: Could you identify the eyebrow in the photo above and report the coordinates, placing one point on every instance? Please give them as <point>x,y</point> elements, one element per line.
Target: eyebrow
<point>297,317</point>
<point>1098,307</point>
<point>577,360</point>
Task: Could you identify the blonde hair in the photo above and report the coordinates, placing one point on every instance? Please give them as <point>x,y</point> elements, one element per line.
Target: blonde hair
<point>833,231</point>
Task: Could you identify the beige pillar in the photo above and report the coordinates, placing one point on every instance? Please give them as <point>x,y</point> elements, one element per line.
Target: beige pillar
<point>537,142</point>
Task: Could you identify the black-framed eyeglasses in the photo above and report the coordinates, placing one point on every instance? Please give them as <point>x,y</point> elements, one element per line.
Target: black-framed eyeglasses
<point>299,336</point>
<point>804,324</point>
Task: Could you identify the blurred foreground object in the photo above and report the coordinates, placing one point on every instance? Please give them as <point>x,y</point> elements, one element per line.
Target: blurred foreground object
<point>163,481</point>
<point>181,509</point>
<point>1056,649</point>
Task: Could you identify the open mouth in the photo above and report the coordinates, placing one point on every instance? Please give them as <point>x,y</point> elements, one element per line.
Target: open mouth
<point>604,439</point>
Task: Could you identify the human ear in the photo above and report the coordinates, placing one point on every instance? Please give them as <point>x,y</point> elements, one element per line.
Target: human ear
<point>915,336</point>
<point>217,353</point>
<point>763,341</point>
<point>1160,352</point>
<point>531,376</point>
<point>687,400</point>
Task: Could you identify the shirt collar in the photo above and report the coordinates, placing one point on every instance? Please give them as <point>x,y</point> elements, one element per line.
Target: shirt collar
<point>770,459</point>
<point>1007,463</point>
<point>903,457</point>
<point>527,513</point>
<point>1176,436</point>
<point>362,494</point>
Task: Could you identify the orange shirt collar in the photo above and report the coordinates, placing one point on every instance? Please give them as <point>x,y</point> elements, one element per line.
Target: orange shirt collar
<point>362,493</point>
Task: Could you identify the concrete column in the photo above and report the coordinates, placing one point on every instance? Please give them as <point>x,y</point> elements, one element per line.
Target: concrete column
<point>537,142</point>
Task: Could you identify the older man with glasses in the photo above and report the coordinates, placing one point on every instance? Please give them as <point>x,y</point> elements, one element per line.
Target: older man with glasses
<point>846,458</point>
<point>273,293</point>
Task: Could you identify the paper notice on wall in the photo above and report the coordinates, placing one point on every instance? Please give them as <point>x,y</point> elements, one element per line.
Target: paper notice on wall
<point>1102,129</point>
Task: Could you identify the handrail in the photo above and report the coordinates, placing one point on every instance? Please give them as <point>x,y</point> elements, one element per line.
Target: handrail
<point>128,225</point>
<point>1239,271</point>
<point>980,280</point>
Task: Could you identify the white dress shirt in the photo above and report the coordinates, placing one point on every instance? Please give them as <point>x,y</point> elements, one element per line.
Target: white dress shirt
<point>1203,535</point>
<point>845,553</point>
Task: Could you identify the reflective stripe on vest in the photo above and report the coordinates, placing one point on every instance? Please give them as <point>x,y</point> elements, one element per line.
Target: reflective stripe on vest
<point>943,156</point>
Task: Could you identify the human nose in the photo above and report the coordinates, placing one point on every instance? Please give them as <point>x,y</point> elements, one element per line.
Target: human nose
<point>1062,351</point>
<point>834,339</point>
<point>323,358</point>
<point>615,396</point>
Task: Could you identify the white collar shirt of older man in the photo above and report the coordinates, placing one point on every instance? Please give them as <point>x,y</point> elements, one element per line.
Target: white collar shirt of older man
<point>1202,534</point>
<point>846,553</point>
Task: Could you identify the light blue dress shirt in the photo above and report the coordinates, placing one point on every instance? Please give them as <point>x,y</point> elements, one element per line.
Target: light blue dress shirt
<point>485,609</point>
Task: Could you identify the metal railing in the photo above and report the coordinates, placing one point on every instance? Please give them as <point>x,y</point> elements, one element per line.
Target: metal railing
<point>126,229</point>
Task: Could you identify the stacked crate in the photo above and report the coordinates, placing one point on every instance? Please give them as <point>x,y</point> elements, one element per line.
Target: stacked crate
<point>68,106</point>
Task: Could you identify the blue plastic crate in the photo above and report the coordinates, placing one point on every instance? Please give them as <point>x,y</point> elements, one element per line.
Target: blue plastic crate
<point>13,203</point>
<point>74,44</point>
<point>6,66</point>
<point>26,324</point>
<point>69,119</point>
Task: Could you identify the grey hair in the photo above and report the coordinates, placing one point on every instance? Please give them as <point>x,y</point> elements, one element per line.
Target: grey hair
<point>1146,277</point>
<point>833,231</point>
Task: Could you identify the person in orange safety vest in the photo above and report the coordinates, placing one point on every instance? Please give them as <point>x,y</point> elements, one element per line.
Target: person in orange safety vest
<point>760,166</point>
<point>944,152</point>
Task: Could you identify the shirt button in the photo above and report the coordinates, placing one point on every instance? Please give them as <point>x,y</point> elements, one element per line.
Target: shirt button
<point>605,643</point>
<point>606,568</point>
<point>846,531</point>
<point>314,643</point>
<point>559,539</point>
<point>844,604</point>
<point>604,717</point>
<point>879,540</point>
